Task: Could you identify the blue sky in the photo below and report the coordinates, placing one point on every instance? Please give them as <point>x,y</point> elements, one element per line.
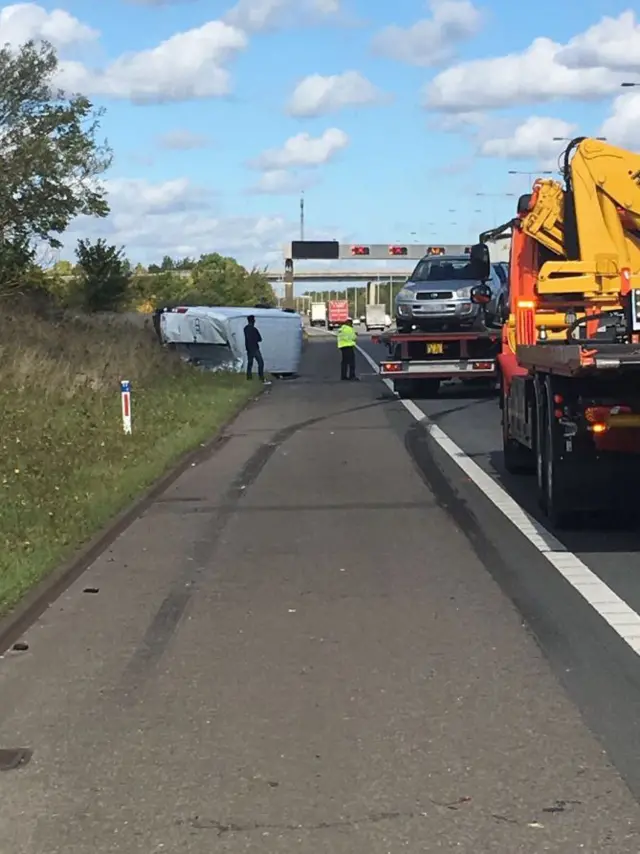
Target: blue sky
<point>399,163</point>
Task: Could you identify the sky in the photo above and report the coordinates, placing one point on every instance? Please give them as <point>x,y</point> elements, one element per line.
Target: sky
<point>399,121</point>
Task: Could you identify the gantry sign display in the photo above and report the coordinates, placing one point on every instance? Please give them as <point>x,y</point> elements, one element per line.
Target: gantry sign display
<point>331,250</point>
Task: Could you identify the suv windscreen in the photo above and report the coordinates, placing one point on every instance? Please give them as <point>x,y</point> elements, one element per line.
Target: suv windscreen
<point>443,270</point>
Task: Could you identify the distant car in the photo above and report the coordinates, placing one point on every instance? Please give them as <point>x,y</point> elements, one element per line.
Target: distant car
<point>438,293</point>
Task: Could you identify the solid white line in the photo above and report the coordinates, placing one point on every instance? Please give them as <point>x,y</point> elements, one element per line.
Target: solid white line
<point>614,610</point>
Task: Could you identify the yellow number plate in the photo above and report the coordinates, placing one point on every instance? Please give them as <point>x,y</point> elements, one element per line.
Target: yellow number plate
<point>434,349</point>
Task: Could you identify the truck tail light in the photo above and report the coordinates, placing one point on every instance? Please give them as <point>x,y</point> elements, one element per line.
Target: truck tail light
<point>360,250</point>
<point>526,323</point>
<point>435,250</point>
<point>390,367</point>
<point>603,418</point>
<point>398,250</point>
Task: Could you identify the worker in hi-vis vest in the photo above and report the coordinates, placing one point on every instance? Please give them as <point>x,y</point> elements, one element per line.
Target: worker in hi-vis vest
<point>347,338</point>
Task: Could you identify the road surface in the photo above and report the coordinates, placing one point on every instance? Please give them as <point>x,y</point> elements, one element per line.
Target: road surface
<point>303,645</point>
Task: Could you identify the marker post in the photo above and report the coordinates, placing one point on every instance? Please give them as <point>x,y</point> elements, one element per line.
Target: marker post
<point>125,394</point>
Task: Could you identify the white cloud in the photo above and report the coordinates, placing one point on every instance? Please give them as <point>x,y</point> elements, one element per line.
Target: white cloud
<point>531,140</point>
<point>623,125</point>
<point>177,218</point>
<point>530,77</point>
<point>280,182</point>
<point>303,150</point>
<point>22,22</point>
<point>187,66</point>
<point>612,43</point>
<point>257,15</point>
<point>183,140</point>
<point>142,198</point>
<point>433,40</point>
<point>459,122</point>
<point>317,95</point>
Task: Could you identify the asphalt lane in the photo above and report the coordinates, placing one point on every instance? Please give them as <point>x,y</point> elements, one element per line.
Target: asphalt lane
<point>600,672</point>
<point>300,647</point>
<point>472,420</point>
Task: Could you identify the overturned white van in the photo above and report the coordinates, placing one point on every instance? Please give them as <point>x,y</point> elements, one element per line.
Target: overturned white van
<point>213,337</point>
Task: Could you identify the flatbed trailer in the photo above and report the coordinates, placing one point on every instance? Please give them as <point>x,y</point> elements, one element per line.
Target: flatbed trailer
<point>419,361</point>
<point>571,416</point>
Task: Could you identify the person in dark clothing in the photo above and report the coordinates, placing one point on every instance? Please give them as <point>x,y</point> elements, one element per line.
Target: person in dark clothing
<point>252,340</point>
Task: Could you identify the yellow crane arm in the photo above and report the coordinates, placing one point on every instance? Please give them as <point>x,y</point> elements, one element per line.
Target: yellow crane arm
<point>591,225</point>
<point>606,183</point>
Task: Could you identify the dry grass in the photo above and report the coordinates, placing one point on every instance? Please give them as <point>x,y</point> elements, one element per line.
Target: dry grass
<point>66,466</point>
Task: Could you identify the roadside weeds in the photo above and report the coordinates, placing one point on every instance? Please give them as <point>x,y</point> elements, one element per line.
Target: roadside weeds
<point>67,467</point>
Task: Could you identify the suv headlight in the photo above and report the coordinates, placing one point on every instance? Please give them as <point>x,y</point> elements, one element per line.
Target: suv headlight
<point>405,294</point>
<point>464,293</point>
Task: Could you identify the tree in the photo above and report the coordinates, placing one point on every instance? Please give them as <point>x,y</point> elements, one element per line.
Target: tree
<point>50,157</point>
<point>261,287</point>
<point>63,268</point>
<point>104,275</point>
<point>157,290</point>
<point>167,264</point>
<point>217,280</point>
<point>186,264</point>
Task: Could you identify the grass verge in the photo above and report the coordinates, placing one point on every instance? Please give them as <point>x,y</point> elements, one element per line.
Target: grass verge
<point>67,468</point>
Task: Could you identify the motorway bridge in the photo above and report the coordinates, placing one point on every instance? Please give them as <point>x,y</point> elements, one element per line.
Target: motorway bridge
<point>395,276</point>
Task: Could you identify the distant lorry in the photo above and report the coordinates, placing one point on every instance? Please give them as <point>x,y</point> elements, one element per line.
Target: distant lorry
<point>318,316</point>
<point>338,313</point>
<point>375,317</point>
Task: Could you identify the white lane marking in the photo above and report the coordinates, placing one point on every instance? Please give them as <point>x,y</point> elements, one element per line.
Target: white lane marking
<point>614,610</point>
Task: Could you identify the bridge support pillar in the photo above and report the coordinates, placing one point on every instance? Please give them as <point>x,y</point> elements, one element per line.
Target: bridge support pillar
<point>373,289</point>
<point>288,279</point>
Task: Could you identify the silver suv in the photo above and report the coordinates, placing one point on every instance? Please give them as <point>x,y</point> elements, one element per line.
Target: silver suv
<point>437,294</point>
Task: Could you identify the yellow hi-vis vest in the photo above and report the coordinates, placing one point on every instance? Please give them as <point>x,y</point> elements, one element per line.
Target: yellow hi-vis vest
<point>347,336</point>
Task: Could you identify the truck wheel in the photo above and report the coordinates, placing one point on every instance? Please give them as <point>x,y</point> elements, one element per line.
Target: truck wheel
<point>517,458</point>
<point>552,474</point>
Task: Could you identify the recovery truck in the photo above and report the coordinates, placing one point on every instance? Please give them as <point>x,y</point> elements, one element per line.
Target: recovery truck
<point>419,361</point>
<point>569,361</point>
